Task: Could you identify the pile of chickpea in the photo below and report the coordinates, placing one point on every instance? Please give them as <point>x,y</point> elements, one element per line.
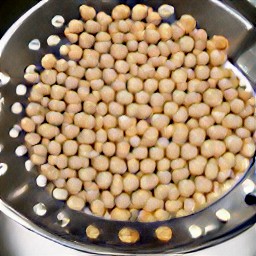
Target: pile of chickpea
<point>139,120</point>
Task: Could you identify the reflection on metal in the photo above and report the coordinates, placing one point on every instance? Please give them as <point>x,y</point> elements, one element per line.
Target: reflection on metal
<point>16,108</point>
<point>40,209</point>
<point>195,231</point>
<point>4,79</point>
<point>248,186</point>
<point>18,192</point>
<point>223,215</point>
<point>34,45</point>
<point>209,228</point>
<point>3,168</point>
<point>58,21</point>
<point>21,90</point>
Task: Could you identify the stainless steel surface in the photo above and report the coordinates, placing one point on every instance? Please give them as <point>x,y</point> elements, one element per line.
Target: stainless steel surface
<point>27,242</point>
<point>21,194</point>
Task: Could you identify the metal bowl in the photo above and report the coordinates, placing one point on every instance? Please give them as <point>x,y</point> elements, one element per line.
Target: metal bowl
<point>34,208</point>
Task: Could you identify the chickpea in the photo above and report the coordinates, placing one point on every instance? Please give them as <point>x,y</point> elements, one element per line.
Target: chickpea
<point>217,132</point>
<point>213,97</point>
<point>150,137</point>
<point>86,136</point>
<point>48,131</point>
<point>48,61</point>
<point>173,206</point>
<point>186,188</point>
<point>74,185</point>
<point>87,12</point>
<point>153,204</point>
<point>75,203</point>
<point>117,165</point>
<point>198,110</point>
<point>120,214</point>
<point>139,12</point>
<point>186,43</point>
<point>173,151</point>
<point>28,124</point>
<point>214,148</point>
<point>104,180</point>
<point>179,76</point>
<point>122,149</point>
<point>250,123</point>
<point>180,133</point>
<point>206,121</point>
<point>241,163</point>
<point>203,185</point>
<point>98,207</point>
<point>123,201</point>
<point>149,181</point>
<point>100,163</point>
<point>232,121</point>
<point>139,198</point>
<point>115,134</point>
<point>121,12</point>
<point>130,183</point>
<point>197,165</point>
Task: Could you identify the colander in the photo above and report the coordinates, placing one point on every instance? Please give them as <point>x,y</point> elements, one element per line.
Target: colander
<point>33,207</point>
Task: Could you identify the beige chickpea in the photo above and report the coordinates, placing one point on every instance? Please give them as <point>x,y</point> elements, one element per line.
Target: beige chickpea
<point>70,131</point>
<point>54,148</point>
<point>109,149</point>
<point>173,151</point>
<point>197,165</point>
<point>28,124</point>
<point>102,36</point>
<point>160,121</point>
<point>212,148</point>
<point>180,174</point>
<point>92,27</point>
<point>149,181</point>
<point>172,206</point>
<point>196,85</point>
<point>161,192</point>
<point>179,76</point>
<point>87,12</point>
<point>86,41</point>
<point>122,149</point>
<point>213,97</point>
<point>142,97</point>
<point>117,165</point>
<point>75,203</point>
<point>150,137</point>
<point>206,121</point>
<point>187,22</point>
<point>161,215</point>
<point>188,151</point>
<point>243,133</point>
<point>97,207</point>
<point>48,61</point>
<point>92,191</point>
<point>87,174</point>
<point>104,180</point>
<point>123,201</point>
<point>150,85</point>
<point>140,197</point>
<point>250,123</point>
<point>119,51</point>
<point>248,148</point>
<point>49,76</point>
<point>133,165</point>
<point>134,85</point>
<point>32,139</point>
<point>115,134</point>
<point>217,132</point>
<point>219,112</point>
<point>116,187</point>
<point>241,163</point>
<point>100,163</point>
<point>232,121</point>
<point>199,198</point>
<point>203,185</point>
<point>153,204</point>
<point>74,185</point>
<point>48,131</point>
<point>186,188</point>
<point>186,43</point>
<point>177,31</point>
<point>139,12</point>
<point>202,72</point>
<point>163,173</point>
<point>147,165</point>
<point>77,162</point>
<point>156,153</point>
<point>217,58</point>
<point>230,94</point>
<point>198,110</point>
<point>121,12</point>
<point>190,60</point>
<point>106,61</point>
<point>120,214</point>
<point>130,183</point>
<point>180,133</point>
<point>86,136</point>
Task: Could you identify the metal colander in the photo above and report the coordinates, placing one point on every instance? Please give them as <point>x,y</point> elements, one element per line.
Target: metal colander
<point>33,207</point>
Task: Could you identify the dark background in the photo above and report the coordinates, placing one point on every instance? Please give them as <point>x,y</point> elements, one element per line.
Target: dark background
<point>11,10</point>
